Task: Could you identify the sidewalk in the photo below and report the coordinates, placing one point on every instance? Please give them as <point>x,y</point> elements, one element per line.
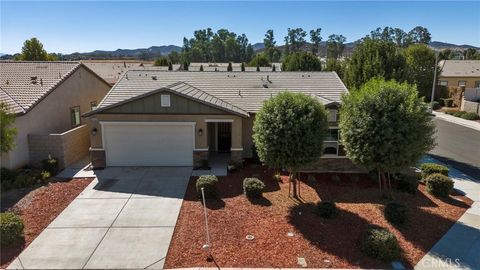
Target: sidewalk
<point>459,248</point>
<point>457,120</point>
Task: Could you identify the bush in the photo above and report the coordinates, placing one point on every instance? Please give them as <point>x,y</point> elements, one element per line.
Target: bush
<point>406,182</point>
<point>381,244</point>
<point>253,187</point>
<point>439,185</point>
<point>470,116</point>
<point>11,228</point>
<point>327,209</point>
<point>277,177</point>
<point>459,113</point>
<point>51,165</point>
<point>448,102</point>
<point>24,179</point>
<point>44,175</point>
<point>431,168</point>
<point>436,105</point>
<point>7,177</point>
<point>209,184</point>
<point>396,213</point>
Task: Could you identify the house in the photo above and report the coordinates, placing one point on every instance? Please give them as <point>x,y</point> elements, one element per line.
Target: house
<point>157,118</point>
<point>48,99</point>
<point>112,70</point>
<point>455,73</point>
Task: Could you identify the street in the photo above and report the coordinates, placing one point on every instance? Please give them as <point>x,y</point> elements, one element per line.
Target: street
<point>458,146</point>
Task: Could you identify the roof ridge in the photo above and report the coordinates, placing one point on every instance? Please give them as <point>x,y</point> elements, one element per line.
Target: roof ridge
<point>37,62</point>
<point>208,94</point>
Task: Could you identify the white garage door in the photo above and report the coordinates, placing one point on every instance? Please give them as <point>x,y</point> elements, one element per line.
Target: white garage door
<point>148,144</point>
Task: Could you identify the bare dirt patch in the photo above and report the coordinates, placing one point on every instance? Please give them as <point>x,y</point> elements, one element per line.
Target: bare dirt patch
<point>322,242</point>
<point>38,208</point>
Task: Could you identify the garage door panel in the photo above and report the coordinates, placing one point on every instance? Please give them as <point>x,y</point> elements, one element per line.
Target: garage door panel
<point>148,145</point>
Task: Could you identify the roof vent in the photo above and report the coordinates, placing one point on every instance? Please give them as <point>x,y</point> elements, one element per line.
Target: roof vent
<point>7,82</point>
<point>268,79</point>
<point>41,82</point>
<point>154,78</point>
<point>126,76</point>
<point>33,79</point>
<point>239,93</point>
<point>265,85</point>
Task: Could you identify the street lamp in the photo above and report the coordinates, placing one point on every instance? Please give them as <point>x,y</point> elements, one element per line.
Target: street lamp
<point>434,81</point>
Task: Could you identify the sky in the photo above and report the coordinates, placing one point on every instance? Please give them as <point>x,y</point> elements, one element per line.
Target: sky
<point>68,26</point>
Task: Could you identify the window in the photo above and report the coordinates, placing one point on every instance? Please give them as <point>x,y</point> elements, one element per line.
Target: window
<point>444,83</point>
<point>477,84</point>
<point>462,83</point>
<point>75,116</point>
<point>165,100</point>
<point>93,105</point>
<point>332,115</point>
<point>331,145</point>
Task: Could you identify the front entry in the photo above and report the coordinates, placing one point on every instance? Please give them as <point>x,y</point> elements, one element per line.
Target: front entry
<point>224,137</point>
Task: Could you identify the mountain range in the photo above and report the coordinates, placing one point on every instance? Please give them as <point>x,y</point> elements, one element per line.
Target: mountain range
<point>156,51</point>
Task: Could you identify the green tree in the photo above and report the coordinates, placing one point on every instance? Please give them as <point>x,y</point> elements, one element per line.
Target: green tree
<point>445,54</point>
<point>301,61</point>
<point>185,65</point>
<point>374,58</point>
<point>288,132</point>
<point>170,66</point>
<point>201,67</point>
<point>296,39</point>
<point>386,127</point>
<point>161,61</point>
<point>335,65</point>
<point>32,50</point>
<point>260,60</point>
<point>229,67</point>
<point>335,46</point>
<point>419,34</point>
<point>315,38</point>
<point>8,133</point>
<point>242,67</point>
<point>174,57</point>
<point>271,51</point>
<point>420,61</point>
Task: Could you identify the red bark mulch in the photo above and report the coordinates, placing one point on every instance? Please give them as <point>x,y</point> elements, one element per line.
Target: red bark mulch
<point>38,209</point>
<point>322,242</point>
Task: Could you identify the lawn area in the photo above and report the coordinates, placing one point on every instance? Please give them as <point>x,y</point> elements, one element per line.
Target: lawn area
<point>324,243</point>
<point>37,207</point>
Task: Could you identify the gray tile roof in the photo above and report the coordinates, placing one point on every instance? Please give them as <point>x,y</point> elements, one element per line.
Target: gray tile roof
<point>460,68</point>
<point>245,90</point>
<point>224,67</point>
<point>23,84</point>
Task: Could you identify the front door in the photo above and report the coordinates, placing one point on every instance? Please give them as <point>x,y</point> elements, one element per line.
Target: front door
<point>224,137</point>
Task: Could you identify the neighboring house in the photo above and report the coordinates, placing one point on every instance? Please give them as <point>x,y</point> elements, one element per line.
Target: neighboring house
<point>235,67</point>
<point>48,99</point>
<point>158,118</point>
<point>112,70</point>
<point>455,73</point>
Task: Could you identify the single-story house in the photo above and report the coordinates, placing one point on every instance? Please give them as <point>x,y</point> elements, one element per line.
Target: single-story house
<point>48,99</point>
<point>112,70</point>
<point>455,73</point>
<point>158,118</point>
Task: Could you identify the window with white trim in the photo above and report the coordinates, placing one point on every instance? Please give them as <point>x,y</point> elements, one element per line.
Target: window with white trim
<point>332,115</point>
<point>444,83</point>
<point>332,145</point>
<point>165,100</point>
<point>462,83</point>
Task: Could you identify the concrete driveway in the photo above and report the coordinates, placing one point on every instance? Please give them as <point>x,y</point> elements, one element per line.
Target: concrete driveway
<point>123,220</point>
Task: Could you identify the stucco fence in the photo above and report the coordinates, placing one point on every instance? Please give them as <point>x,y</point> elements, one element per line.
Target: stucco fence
<point>470,102</point>
<point>69,147</point>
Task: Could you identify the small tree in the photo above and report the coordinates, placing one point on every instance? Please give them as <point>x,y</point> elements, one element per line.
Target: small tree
<point>242,67</point>
<point>229,68</point>
<point>161,61</point>
<point>273,68</point>
<point>260,60</point>
<point>33,50</point>
<point>170,66</point>
<point>7,133</point>
<point>201,67</point>
<point>385,126</point>
<point>301,61</point>
<point>185,65</point>
<point>258,68</point>
<point>288,132</point>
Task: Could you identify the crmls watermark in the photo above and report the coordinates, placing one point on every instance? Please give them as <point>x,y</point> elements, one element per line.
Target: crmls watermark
<point>437,263</point>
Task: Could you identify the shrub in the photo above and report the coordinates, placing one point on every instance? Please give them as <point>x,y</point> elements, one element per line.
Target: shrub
<point>44,175</point>
<point>396,213</point>
<point>459,113</point>
<point>450,112</point>
<point>7,177</point>
<point>253,187</point>
<point>431,168</point>
<point>51,165</point>
<point>470,116</point>
<point>406,182</point>
<point>381,244</point>
<point>448,102</point>
<point>209,184</point>
<point>11,228</point>
<point>436,105</point>
<point>439,185</point>
<point>24,179</point>
<point>327,209</point>
<point>277,177</point>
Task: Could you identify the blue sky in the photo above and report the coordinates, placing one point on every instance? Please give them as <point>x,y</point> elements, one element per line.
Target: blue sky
<point>66,26</point>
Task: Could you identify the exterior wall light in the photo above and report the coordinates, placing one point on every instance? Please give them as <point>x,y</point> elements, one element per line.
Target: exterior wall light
<point>200,132</point>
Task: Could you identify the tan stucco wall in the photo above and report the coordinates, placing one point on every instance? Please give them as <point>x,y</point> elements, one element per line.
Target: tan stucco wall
<point>453,81</point>
<point>52,114</point>
<point>201,142</point>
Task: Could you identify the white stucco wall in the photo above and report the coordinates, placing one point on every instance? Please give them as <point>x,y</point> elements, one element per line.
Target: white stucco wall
<point>52,114</point>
